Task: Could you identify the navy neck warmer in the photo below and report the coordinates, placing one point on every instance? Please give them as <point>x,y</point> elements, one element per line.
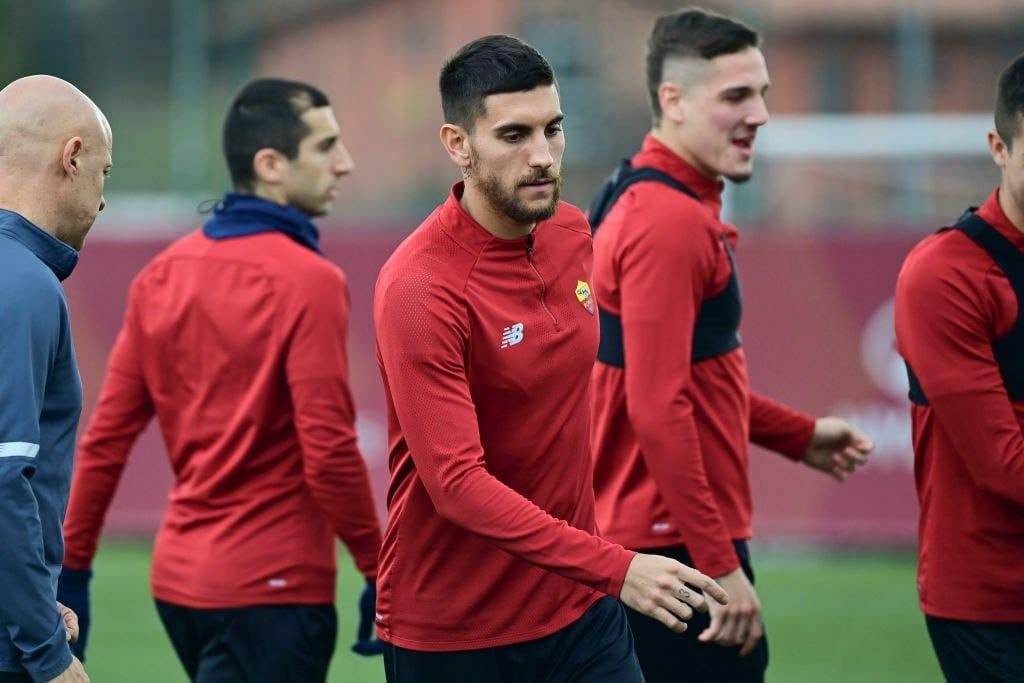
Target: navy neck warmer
<point>240,214</point>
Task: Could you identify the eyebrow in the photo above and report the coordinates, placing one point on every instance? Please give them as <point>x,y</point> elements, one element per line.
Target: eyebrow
<point>742,89</point>
<point>523,128</point>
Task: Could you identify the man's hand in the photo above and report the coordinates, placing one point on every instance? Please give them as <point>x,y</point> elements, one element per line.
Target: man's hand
<point>837,448</point>
<point>73,591</point>
<point>73,674</point>
<point>664,589</point>
<point>70,622</point>
<point>365,644</point>
<point>739,622</point>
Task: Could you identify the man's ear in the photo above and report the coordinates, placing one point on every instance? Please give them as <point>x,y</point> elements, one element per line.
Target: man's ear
<point>70,156</point>
<point>268,165</point>
<point>455,140</point>
<point>672,102</point>
<point>998,148</point>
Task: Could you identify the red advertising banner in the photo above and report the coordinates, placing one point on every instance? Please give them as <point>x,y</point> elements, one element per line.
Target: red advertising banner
<point>817,331</point>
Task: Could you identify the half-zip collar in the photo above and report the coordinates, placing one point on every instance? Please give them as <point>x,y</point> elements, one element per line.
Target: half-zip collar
<point>475,237</point>
<point>59,257</point>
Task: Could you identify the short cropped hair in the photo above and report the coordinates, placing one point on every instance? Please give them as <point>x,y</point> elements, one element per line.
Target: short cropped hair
<point>1010,101</point>
<point>266,113</point>
<point>489,66</point>
<point>692,32</point>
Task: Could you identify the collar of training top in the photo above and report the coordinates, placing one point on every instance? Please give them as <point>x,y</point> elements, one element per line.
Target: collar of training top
<point>59,257</point>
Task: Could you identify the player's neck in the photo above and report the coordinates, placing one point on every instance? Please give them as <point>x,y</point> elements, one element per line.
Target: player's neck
<point>667,135</point>
<point>1014,212</point>
<point>270,193</point>
<point>39,214</point>
<point>494,222</point>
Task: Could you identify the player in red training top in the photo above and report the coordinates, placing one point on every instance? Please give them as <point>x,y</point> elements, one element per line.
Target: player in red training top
<point>960,330</point>
<point>486,335</point>
<point>672,407</point>
<point>234,338</point>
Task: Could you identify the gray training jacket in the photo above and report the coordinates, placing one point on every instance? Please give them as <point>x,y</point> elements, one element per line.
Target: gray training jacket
<point>40,403</point>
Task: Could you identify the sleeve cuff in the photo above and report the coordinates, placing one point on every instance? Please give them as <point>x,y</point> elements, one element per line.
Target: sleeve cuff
<point>618,577</point>
<point>50,659</point>
<point>717,564</point>
<point>796,449</point>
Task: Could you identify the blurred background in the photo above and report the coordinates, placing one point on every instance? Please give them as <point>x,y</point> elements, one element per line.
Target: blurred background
<point>879,114</point>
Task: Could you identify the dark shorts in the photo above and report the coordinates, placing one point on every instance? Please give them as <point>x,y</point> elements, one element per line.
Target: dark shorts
<point>272,644</point>
<point>978,652</point>
<point>596,648</point>
<point>666,656</point>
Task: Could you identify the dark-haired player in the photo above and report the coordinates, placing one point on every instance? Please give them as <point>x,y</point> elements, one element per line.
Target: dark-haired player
<point>673,411</point>
<point>486,335</point>
<point>234,338</point>
<point>960,329</point>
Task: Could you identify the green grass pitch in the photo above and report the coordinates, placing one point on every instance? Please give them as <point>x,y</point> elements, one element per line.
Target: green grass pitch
<point>830,618</point>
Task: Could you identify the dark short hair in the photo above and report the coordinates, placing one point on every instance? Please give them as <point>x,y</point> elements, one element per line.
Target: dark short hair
<point>266,113</point>
<point>1010,100</point>
<point>489,66</point>
<point>692,32</point>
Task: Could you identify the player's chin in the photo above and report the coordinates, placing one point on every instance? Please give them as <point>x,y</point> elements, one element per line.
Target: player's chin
<point>740,173</point>
<point>319,209</point>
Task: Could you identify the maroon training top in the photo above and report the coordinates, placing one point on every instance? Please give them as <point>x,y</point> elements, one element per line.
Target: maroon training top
<point>670,435</point>
<point>238,347</point>
<point>952,303</point>
<point>485,346</point>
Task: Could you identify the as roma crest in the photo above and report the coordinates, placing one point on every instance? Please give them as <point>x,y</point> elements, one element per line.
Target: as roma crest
<point>584,296</point>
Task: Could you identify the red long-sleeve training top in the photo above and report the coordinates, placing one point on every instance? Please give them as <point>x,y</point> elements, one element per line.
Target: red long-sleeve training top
<point>485,346</point>
<point>238,347</point>
<point>952,303</point>
<point>670,436</point>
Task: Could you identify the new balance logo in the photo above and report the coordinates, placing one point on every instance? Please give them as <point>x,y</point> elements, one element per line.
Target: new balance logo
<point>511,335</point>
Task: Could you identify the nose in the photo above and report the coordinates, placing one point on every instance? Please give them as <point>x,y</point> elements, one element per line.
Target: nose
<point>343,163</point>
<point>103,203</point>
<point>540,154</point>
<point>758,115</point>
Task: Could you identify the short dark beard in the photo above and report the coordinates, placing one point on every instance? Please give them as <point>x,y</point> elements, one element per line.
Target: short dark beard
<point>507,203</point>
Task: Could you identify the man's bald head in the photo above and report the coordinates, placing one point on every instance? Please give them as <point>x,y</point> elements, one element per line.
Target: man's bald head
<point>55,147</point>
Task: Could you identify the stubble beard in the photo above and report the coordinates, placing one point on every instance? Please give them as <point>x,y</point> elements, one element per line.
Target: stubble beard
<point>504,200</point>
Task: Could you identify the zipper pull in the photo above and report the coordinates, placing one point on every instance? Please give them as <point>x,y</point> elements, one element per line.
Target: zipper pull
<point>529,246</point>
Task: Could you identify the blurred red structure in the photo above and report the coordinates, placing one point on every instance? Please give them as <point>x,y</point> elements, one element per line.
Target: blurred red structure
<point>817,330</point>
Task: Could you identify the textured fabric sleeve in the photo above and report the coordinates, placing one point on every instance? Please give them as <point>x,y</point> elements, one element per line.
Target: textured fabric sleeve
<point>944,332</point>
<point>422,336</point>
<point>30,319</point>
<point>663,275</point>
<point>779,428</point>
<point>318,379</point>
<point>123,410</point>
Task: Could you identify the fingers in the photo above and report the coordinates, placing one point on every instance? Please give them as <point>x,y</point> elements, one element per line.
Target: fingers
<point>753,637</point>
<point>860,440</point>
<point>731,624</point>
<point>711,633</point>
<point>846,461</point>
<point>70,622</point>
<point>854,456</point>
<point>705,583</point>
<point>662,615</point>
<point>690,598</point>
<point>680,606</point>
